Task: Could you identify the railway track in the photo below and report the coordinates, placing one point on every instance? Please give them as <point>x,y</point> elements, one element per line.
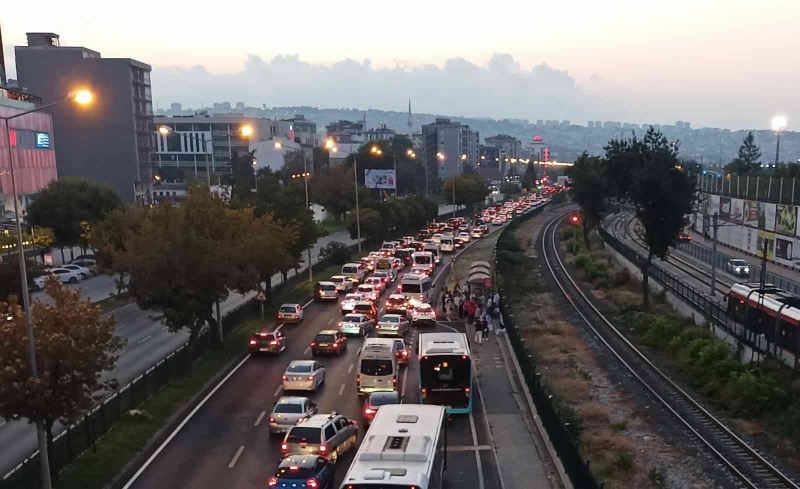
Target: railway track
<point>747,466</point>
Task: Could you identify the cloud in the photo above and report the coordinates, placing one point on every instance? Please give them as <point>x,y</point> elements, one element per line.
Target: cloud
<point>501,88</point>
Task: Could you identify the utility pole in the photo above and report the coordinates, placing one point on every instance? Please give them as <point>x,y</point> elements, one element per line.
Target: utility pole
<point>358,216</point>
<point>715,228</point>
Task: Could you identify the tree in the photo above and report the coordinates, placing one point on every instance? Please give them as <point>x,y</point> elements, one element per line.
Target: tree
<point>660,190</point>
<point>509,189</point>
<point>471,189</point>
<point>110,238</point>
<point>371,225</point>
<point>179,261</point>
<point>589,190</point>
<point>749,152</point>
<point>67,202</point>
<point>333,189</point>
<point>75,344</point>
<point>620,161</point>
<point>338,253</point>
<point>242,176</point>
<point>528,178</point>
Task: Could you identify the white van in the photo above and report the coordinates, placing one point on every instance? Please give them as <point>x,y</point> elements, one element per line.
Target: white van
<point>377,366</point>
<point>416,288</point>
<point>424,259</point>
<point>446,243</point>
<point>354,271</point>
<point>434,249</point>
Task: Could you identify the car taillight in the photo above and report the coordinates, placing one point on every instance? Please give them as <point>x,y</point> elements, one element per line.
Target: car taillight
<point>466,390</point>
<point>358,379</point>
<point>285,378</point>
<point>284,447</point>
<point>313,343</point>
<point>273,342</point>
<point>369,411</point>
<point>310,377</point>
<point>424,392</point>
<point>253,342</point>
<point>312,483</point>
<point>404,353</point>
<point>273,481</point>
<point>323,449</point>
<point>394,380</point>
<point>272,419</point>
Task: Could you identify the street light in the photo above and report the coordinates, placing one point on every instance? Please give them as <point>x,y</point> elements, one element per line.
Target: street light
<point>463,158</point>
<point>305,176</point>
<point>246,130</point>
<point>779,123</point>
<point>81,97</point>
<point>377,151</point>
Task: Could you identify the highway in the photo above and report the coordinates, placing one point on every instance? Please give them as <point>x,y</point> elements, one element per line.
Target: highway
<point>225,441</point>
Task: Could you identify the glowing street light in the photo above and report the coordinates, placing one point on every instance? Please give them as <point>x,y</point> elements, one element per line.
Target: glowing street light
<point>164,130</point>
<point>330,144</point>
<point>278,145</point>
<point>82,96</point>
<point>246,131</point>
<point>779,123</point>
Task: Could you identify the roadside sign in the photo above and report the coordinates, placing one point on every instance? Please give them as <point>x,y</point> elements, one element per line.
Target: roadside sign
<point>261,297</point>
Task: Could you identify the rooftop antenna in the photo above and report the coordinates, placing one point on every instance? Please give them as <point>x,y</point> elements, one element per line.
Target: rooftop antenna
<point>3,80</point>
<point>409,117</point>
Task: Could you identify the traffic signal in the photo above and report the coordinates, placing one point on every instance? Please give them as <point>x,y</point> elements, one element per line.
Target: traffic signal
<point>575,218</point>
<point>546,152</point>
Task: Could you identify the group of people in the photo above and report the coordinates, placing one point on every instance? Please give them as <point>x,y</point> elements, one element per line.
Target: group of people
<point>482,310</point>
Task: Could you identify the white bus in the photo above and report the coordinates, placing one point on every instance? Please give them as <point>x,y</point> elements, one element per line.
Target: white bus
<point>416,288</point>
<point>404,448</point>
<point>445,371</point>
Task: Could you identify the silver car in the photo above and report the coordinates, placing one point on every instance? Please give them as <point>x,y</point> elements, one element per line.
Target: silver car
<point>392,325</point>
<point>358,324</point>
<point>349,301</point>
<point>342,283</point>
<point>288,411</point>
<point>738,267</point>
<point>303,375</point>
<point>327,435</point>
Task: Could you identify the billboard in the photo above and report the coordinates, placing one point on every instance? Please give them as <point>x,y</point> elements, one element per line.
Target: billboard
<point>737,211</point>
<point>785,219</point>
<point>725,208</point>
<point>380,179</point>
<point>751,213</point>
<point>783,248</point>
<point>770,240</point>
<point>766,216</point>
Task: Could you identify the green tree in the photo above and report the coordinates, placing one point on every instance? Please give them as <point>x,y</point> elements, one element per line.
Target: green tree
<point>509,189</point>
<point>589,190</point>
<point>68,201</point>
<point>333,189</point>
<point>110,238</point>
<point>179,261</point>
<point>75,344</point>
<point>749,152</point>
<point>471,189</point>
<point>371,225</point>
<point>242,176</point>
<point>659,189</point>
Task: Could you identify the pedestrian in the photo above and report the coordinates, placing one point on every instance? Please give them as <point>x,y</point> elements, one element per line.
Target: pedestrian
<point>477,313</point>
<point>448,310</point>
<point>496,319</point>
<point>496,298</point>
<point>445,292</point>
<point>469,310</point>
<point>458,306</point>
<point>456,289</point>
<point>489,320</point>
<point>478,332</point>
<point>485,325</point>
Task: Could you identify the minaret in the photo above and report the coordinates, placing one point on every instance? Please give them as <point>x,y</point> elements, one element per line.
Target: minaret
<point>409,118</point>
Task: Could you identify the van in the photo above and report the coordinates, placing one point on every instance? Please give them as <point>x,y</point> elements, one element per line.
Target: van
<point>354,271</point>
<point>377,366</point>
<point>435,251</point>
<point>390,245</point>
<point>416,288</point>
<point>447,243</point>
<point>424,259</point>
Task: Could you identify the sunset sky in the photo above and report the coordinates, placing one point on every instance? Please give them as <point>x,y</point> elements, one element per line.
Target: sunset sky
<point>714,63</point>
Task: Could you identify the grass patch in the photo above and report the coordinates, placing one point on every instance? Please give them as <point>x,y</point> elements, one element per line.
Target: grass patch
<point>95,469</point>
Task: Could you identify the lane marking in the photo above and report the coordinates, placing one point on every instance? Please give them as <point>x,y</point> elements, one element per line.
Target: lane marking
<point>183,423</point>
<point>468,448</point>
<point>403,387</point>
<point>329,322</point>
<point>144,339</point>
<point>359,351</point>
<point>341,389</point>
<point>349,369</point>
<point>477,453</point>
<point>236,457</point>
<point>260,417</point>
<point>307,351</point>
<point>278,327</point>
<point>276,393</point>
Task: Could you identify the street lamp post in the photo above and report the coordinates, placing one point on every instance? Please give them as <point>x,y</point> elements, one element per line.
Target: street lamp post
<point>305,176</point>
<point>358,216</point>
<point>779,123</point>
<point>81,97</point>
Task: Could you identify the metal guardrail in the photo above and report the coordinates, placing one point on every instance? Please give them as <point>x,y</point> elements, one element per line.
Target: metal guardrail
<point>576,468</point>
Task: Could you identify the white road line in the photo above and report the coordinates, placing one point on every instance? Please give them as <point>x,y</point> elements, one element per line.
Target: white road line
<point>477,454</point>
<point>278,327</point>
<point>236,457</point>
<point>349,369</point>
<point>403,387</point>
<point>307,351</point>
<point>359,351</point>
<point>467,448</point>
<point>276,393</point>
<point>144,339</point>
<point>260,417</point>
<point>341,389</point>
<point>307,303</point>
<point>330,321</point>
<point>183,423</point>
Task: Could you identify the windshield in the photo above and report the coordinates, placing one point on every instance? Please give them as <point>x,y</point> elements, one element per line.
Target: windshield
<point>350,270</point>
<point>739,263</point>
<point>299,369</point>
<point>390,319</point>
<point>445,371</point>
<point>365,288</point>
<point>376,367</point>
<point>295,472</point>
<point>288,309</point>
<point>363,308</point>
<point>422,260</point>
<point>411,288</point>
<point>288,408</point>
<point>325,338</point>
<point>383,398</point>
<point>336,280</point>
<point>328,287</point>
<point>300,434</point>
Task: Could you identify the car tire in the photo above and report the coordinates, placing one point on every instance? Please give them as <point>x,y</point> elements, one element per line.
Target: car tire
<point>73,280</point>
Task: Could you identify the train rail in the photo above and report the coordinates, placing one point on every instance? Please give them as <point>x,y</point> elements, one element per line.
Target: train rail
<point>747,465</point>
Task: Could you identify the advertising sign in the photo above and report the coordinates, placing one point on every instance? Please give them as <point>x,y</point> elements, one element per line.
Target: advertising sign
<point>737,211</point>
<point>725,208</point>
<point>42,140</point>
<point>766,216</point>
<point>785,219</point>
<point>379,179</point>
<point>770,239</point>
<point>751,213</point>
<point>222,191</point>
<point>783,248</point>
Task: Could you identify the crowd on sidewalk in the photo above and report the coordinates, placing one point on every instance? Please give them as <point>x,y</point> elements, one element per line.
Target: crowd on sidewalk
<point>481,309</point>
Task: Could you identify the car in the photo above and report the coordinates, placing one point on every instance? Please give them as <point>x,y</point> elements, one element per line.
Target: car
<point>684,237</point>
<point>738,267</point>
<point>398,264</point>
<point>326,435</point>
<point>369,292</point>
<point>356,324</point>
<point>368,263</point>
<point>476,233</point>
<point>367,308</point>
<point>288,411</point>
<point>267,342</point>
<point>422,314</point>
<point>459,243</point>
<point>497,220</point>
<point>349,302</point>
<point>354,271</point>
<point>420,271</point>
<point>376,282</point>
<point>290,313</point>
<point>86,263</point>
<point>299,471</point>
<point>396,304</point>
<point>65,275</point>
<point>392,325</point>
<point>376,400</point>
<point>436,238</point>
<point>326,291</point>
<point>342,283</point>
<point>303,375</point>
<point>386,276</point>
<point>401,351</point>
<point>377,254</point>
<point>329,341</point>
<point>404,254</point>
<point>484,228</point>
<point>464,236</point>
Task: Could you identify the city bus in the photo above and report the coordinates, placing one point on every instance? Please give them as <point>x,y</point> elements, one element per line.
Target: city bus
<point>405,447</point>
<point>445,371</point>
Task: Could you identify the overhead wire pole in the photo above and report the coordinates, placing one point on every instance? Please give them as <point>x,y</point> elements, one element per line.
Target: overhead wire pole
<point>358,216</point>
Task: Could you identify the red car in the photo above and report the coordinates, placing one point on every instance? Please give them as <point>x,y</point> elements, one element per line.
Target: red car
<point>267,342</point>
<point>396,304</point>
<point>684,237</point>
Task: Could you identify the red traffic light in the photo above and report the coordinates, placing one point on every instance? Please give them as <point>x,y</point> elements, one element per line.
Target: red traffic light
<point>575,219</point>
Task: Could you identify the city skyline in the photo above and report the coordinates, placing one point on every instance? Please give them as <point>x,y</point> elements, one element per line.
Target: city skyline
<point>711,64</point>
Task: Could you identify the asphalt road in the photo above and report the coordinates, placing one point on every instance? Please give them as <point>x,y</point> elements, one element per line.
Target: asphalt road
<point>226,443</point>
<point>147,342</point>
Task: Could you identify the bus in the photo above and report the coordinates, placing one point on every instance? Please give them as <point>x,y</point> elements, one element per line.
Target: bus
<point>445,371</point>
<point>405,447</point>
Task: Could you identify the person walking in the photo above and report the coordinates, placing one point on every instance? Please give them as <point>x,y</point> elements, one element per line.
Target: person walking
<point>445,293</point>
<point>485,325</point>
<point>478,339</point>
<point>458,306</point>
<point>448,310</point>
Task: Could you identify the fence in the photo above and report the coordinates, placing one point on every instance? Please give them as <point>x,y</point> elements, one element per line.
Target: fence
<point>82,435</point>
<point>557,429</point>
<point>777,190</point>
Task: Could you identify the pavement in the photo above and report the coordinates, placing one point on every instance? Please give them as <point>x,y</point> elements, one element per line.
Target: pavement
<point>224,442</point>
<point>147,342</point>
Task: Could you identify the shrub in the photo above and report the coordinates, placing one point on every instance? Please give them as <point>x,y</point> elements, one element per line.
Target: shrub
<point>622,461</point>
<point>337,252</point>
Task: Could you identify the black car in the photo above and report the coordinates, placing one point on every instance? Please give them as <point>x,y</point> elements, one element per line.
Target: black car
<point>309,471</point>
<point>267,342</point>
<point>329,341</point>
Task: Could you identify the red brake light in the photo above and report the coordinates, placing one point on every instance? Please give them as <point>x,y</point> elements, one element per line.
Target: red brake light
<point>358,379</point>
<point>312,483</point>
<point>323,449</point>
<point>310,377</point>
<point>273,342</point>
<point>369,411</point>
<point>284,447</point>
<point>272,419</point>
<point>285,378</point>
<point>466,390</point>
<point>394,380</point>
<point>252,342</point>
<point>273,481</point>
<point>313,343</point>
<point>424,392</point>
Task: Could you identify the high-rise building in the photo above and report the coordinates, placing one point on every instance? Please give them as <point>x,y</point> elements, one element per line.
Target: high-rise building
<point>380,133</point>
<point>110,141</point>
<point>32,151</point>
<point>444,144</point>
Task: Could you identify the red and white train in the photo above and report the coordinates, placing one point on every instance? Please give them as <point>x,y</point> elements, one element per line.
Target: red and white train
<point>770,311</point>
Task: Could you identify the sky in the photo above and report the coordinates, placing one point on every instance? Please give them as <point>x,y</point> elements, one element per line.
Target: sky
<point>717,63</point>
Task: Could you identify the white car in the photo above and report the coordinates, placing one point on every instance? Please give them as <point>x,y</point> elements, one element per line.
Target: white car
<point>349,301</point>
<point>376,282</point>
<point>288,411</point>
<point>464,236</point>
<point>497,220</point>
<point>392,325</point>
<point>357,324</point>
<point>370,292</point>
<point>65,275</point>
<point>422,313</point>
<point>290,313</point>
<point>303,375</point>
<point>343,284</point>
<point>83,271</point>
<point>476,233</point>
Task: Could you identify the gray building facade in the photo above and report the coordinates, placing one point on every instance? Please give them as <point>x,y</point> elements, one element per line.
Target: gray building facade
<point>447,146</point>
<point>110,141</point>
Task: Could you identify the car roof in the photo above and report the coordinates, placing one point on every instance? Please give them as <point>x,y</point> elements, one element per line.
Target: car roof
<point>393,394</point>
<point>363,303</point>
<point>306,363</point>
<point>352,314</point>
<point>391,316</point>
<point>319,420</point>
<point>327,331</point>
<point>292,400</point>
<point>290,305</point>
<point>397,296</point>
<point>325,282</point>
<point>302,461</point>
<point>264,332</point>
